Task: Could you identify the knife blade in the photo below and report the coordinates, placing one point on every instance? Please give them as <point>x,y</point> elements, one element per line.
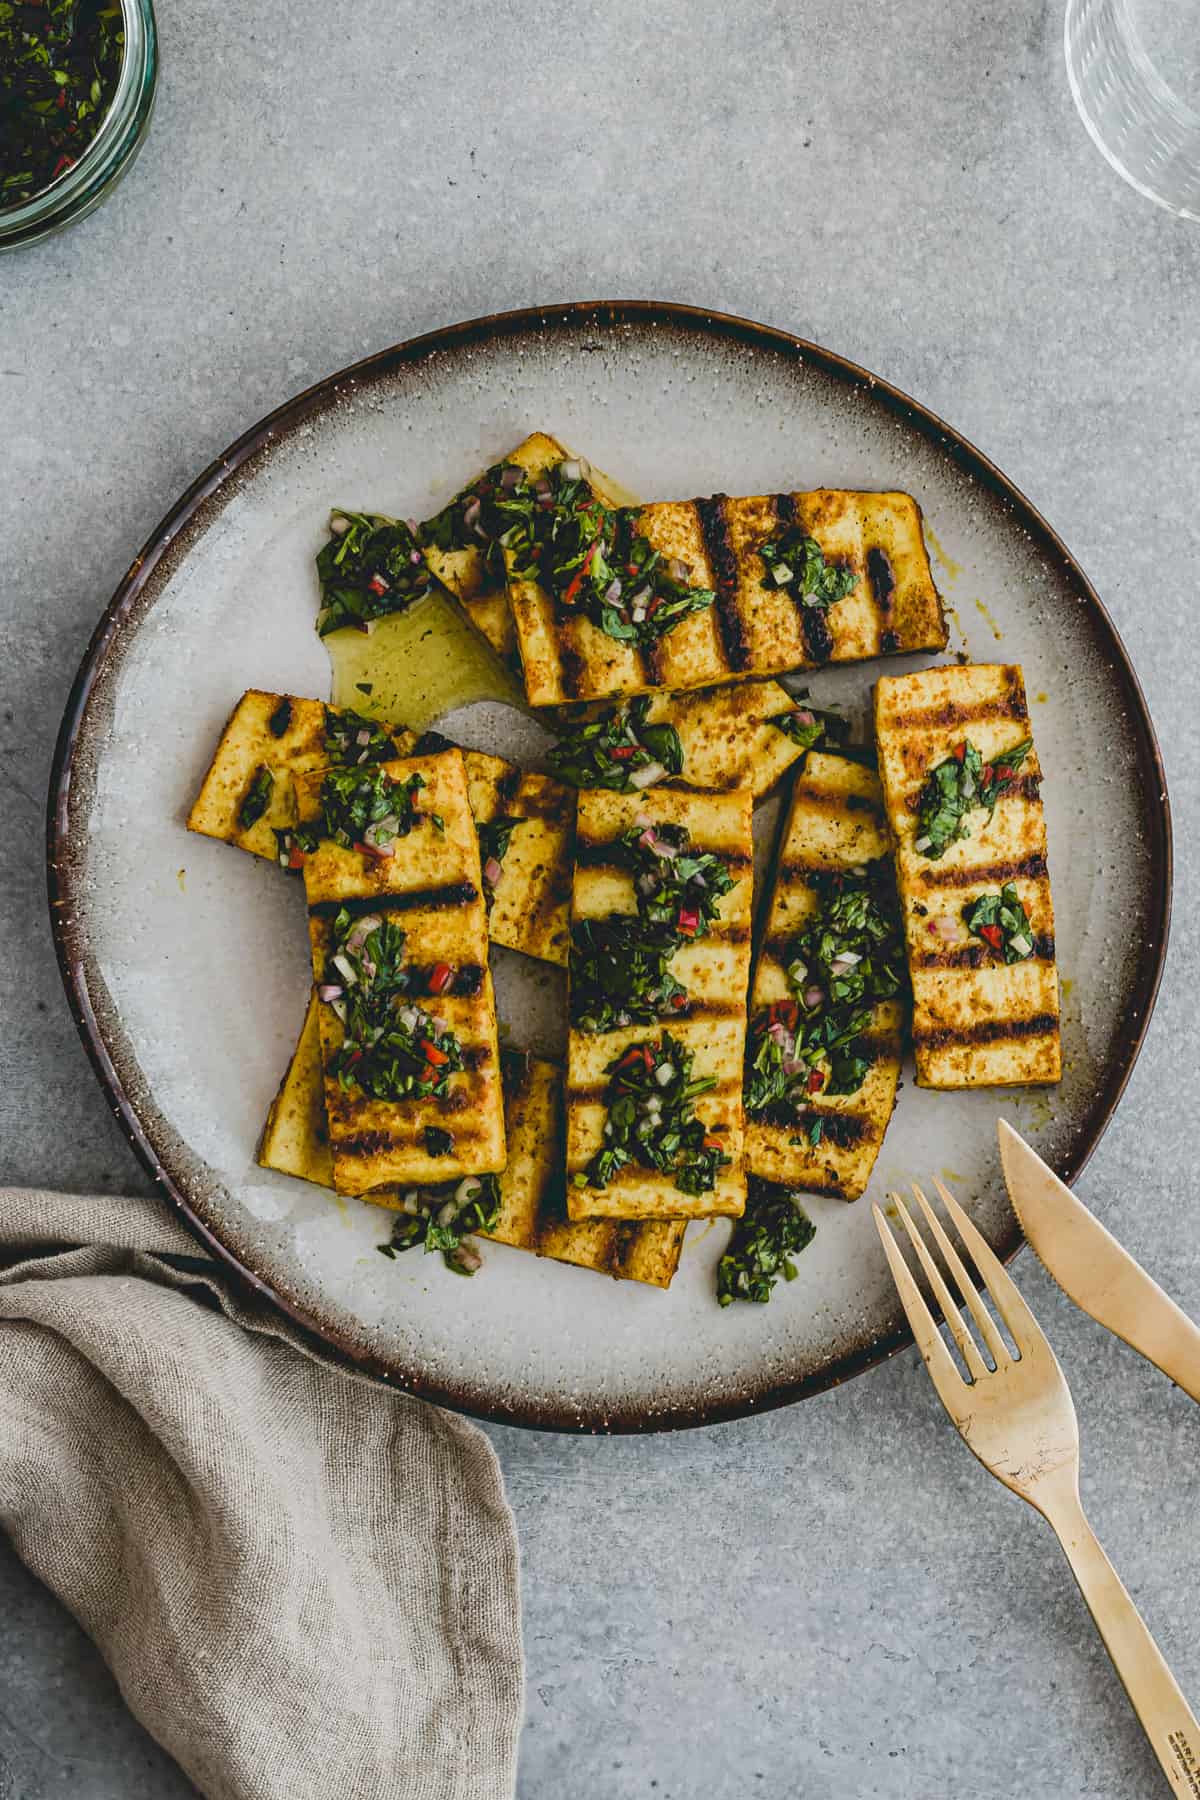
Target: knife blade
<point>1092,1268</point>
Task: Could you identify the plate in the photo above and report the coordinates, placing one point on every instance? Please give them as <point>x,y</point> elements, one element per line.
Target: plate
<point>185,962</point>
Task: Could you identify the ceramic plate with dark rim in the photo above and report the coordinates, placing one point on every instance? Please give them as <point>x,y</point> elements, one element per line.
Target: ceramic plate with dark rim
<point>186,961</point>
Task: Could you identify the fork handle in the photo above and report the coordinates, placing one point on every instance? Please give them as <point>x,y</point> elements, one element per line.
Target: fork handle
<point>1165,1715</point>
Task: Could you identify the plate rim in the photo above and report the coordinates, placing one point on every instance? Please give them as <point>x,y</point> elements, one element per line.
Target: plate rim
<point>607,316</point>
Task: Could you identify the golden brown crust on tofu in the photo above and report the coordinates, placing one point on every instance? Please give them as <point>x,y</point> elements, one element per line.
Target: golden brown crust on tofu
<point>532,1215</point>
<point>835,821</point>
<point>751,628</point>
<point>714,970</point>
<point>467,574</point>
<point>432,886</point>
<point>279,732</point>
<point>977,1021</point>
<point>531,904</point>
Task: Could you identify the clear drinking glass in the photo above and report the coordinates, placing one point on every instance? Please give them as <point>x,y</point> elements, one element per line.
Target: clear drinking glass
<point>1134,70</point>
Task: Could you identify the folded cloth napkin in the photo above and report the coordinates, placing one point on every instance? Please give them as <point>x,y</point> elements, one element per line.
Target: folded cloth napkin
<point>305,1585</point>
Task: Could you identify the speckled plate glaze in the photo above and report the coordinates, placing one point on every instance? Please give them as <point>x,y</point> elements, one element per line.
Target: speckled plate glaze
<point>186,962</point>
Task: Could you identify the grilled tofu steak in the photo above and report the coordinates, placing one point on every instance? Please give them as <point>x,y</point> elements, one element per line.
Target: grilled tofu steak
<point>798,580</point>
<point>408,1028</point>
<point>249,791</point>
<point>474,571</point>
<point>672,993</point>
<point>962,781</point>
<point>835,845</point>
<point>532,1212</point>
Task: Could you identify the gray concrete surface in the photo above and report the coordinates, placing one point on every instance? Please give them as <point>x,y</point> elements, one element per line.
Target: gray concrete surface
<point>831,1602</point>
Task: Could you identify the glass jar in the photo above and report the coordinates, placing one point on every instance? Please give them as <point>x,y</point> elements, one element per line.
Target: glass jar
<point>81,188</point>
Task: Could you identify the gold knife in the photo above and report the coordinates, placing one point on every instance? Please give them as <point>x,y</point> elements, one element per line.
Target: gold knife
<point>1088,1264</point>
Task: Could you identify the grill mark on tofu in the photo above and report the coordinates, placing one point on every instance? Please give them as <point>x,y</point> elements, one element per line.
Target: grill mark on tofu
<point>828,800</point>
<point>882,578</point>
<point>987,1031</point>
<point>1009,705</point>
<point>572,666</point>
<point>552,803</point>
<point>980,956</point>
<point>364,1145</point>
<point>814,626</point>
<point>718,547</point>
<point>985,874</point>
<point>841,1130</point>
<point>450,898</point>
<point>593,1094</point>
<point>281,718</point>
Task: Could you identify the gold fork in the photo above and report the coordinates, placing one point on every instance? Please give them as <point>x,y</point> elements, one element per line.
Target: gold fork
<point>1019,1419</point>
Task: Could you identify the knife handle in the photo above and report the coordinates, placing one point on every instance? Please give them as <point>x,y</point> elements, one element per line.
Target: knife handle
<point>1153,1691</point>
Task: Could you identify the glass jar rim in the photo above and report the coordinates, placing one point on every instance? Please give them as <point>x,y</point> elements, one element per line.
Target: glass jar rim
<point>80,187</point>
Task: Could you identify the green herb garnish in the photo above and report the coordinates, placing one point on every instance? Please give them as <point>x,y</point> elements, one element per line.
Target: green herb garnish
<point>620,974</point>
<point>351,739</point>
<point>391,1048</point>
<point>476,518</point>
<point>1002,922</point>
<point>797,562</point>
<point>619,965</point>
<point>773,1229</point>
<point>846,960</point>
<point>60,61</point>
<point>618,750</point>
<point>652,1120</point>
<point>441,1218</point>
<point>364,809</point>
<point>257,797</point>
<point>591,559</point>
<point>370,567</point>
<point>959,786</point>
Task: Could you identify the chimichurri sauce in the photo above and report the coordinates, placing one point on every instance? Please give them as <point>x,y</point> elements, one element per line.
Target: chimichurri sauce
<point>59,63</point>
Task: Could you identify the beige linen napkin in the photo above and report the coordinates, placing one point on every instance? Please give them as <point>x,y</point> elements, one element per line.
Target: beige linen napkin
<point>306,1585</point>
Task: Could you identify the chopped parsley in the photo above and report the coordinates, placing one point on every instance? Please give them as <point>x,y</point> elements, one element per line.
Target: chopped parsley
<point>364,809</point>
<point>60,62</point>
<point>591,560</point>
<point>797,562</point>
<point>370,567</point>
<point>391,1048</point>
<point>846,959</point>
<point>618,750</point>
<point>620,974</point>
<point>652,1120</point>
<point>476,518</point>
<point>619,965</point>
<point>773,1229</point>
<point>1002,922</point>
<point>441,1217</point>
<point>257,797</point>
<point>351,739</point>
<point>958,786</point>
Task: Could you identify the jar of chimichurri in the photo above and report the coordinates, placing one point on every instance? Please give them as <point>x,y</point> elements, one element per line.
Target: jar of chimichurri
<point>77,84</point>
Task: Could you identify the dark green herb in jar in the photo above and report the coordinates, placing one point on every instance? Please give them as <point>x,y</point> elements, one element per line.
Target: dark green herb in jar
<point>59,64</point>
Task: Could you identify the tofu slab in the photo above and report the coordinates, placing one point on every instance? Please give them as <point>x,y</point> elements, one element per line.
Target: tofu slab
<point>751,629</point>
<point>714,970</point>
<point>835,821</point>
<point>279,732</point>
<point>482,594</point>
<point>532,1212</point>
<point>432,887</point>
<point>977,1021</point>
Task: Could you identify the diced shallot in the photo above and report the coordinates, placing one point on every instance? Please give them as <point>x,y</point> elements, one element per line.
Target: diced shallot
<point>467,1190</point>
<point>678,570</point>
<point>345,969</point>
<point>329,990</point>
<point>644,778</point>
<point>1021,944</point>
<point>571,470</point>
<point>339,525</point>
<point>665,1074</point>
<point>492,872</point>
<point>813,996</point>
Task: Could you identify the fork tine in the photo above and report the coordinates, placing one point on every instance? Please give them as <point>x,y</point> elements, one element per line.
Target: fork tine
<point>966,1287</point>
<point>968,1348</point>
<point>942,1372</point>
<point>1027,1334</point>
